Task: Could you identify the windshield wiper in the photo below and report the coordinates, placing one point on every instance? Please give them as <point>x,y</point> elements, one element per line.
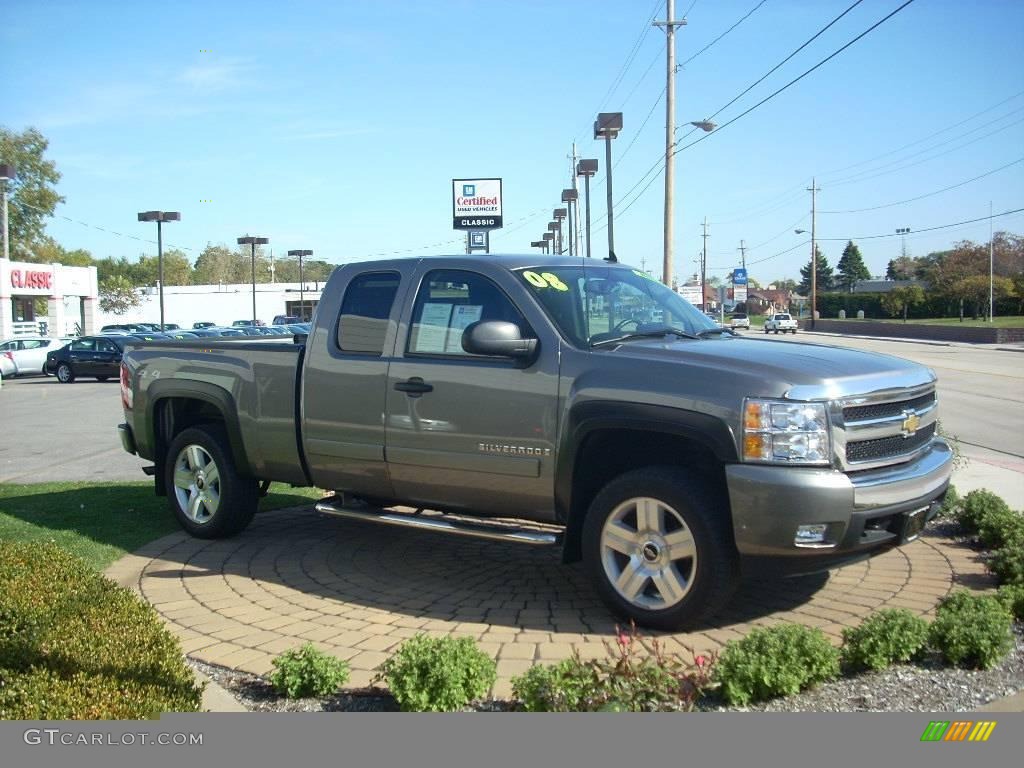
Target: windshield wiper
<point>644,335</point>
<point>701,334</point>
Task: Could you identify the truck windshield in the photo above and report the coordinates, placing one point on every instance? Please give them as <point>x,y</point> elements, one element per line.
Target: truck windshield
<point>599,304</point>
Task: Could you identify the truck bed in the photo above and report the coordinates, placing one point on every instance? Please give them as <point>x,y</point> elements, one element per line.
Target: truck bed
<point>261,379</point>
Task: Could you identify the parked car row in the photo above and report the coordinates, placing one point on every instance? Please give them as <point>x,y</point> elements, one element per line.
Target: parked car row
<point>26,354</point>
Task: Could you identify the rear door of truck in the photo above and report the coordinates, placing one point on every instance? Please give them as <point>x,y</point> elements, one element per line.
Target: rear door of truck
<point>343,391</point>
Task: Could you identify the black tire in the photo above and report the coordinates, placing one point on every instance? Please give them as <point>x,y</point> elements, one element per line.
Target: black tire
<point>765,331</point>
<point>714,577</point>
<point>65,374</point>
<point>237,495</point>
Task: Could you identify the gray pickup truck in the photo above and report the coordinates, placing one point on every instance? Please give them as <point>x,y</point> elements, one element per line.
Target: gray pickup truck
<point>547,400</point>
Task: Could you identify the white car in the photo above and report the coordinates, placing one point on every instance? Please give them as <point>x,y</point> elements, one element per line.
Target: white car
<point>27,354</point>
<point>781,322</point>
<point>739,320</point>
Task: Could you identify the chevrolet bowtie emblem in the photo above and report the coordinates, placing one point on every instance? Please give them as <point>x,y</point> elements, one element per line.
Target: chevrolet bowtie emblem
<point>911,421</point>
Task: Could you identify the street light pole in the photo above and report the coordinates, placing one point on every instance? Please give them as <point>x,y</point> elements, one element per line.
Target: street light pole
<point>252,242</point>
<point>302,283</point>
<point>607,127</point>
<point>814,253</point>
<point>569,197</point>
<point>160,217</point>
<point>559,215</point>
<point>7,173</point>
<point>586,169</point>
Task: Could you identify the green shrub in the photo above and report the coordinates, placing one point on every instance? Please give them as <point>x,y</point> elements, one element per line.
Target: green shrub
<point>890,636</point>
<point>74,645</point>
<point>999,526</point>
<point>978,505</point>
<point>438,674</point>
<point>634,678</point>
<point>775,661</point>
<point>1007,563</point>
<point>307,671</point>
<point>1012,598</point>
<point>950,507</point>
<point>571,685</point>
<point>971,630</point>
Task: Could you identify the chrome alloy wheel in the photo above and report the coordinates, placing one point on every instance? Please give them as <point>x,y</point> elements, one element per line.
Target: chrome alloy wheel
<point>196,483</point>
<point>648,553</point>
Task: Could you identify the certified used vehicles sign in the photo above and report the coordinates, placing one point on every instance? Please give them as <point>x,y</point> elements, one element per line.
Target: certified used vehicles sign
<point>476,203</point>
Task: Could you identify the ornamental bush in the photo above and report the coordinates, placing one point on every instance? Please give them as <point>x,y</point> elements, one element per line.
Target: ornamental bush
<point>971,630</point>
<point>74,645</point>
<point>307,671</point>
<point>887,637</point>
<point>1012,598</point>
<point>951,502</point>
<point>775,661</point>
<point>438,674</point>
<point>636,677</point>
<point>1007,563</point>
<point>999,526</point>
<point>978,505</point>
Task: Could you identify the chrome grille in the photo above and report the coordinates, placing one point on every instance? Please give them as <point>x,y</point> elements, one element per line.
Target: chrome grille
<point>884,447</point>
<point>873,431</point>
<point>883,410</point>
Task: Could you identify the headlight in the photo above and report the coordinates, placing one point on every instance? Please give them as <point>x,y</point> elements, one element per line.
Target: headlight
<point>784,432</point>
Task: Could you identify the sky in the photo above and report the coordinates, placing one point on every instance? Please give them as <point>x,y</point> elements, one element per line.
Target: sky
<point>338,126</point>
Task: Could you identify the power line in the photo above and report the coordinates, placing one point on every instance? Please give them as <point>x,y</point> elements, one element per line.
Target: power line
<point>730,29</point>
<point>796,79</point>
<point>926,229</point>
<point>929,194</point>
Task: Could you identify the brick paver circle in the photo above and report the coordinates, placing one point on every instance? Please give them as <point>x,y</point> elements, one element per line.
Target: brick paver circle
<point>358,590</point>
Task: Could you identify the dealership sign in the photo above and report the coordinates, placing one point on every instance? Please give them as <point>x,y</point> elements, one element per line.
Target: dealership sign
<point>476,203</point>
<point>31,280</point>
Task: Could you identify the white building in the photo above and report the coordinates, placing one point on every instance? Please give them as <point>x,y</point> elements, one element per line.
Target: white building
<point>219,304</point>
<point>71,295</point>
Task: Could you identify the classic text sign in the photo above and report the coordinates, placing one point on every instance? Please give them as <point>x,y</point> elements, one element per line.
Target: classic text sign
<point>476,203</point>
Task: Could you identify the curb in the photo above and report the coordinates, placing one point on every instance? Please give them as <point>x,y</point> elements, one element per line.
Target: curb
<point>1014,703</point>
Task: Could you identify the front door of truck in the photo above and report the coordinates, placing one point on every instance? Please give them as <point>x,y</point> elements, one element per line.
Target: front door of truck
<point>467,431</point>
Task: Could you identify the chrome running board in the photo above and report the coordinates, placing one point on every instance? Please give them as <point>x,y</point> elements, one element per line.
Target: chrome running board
<point>446,524</point>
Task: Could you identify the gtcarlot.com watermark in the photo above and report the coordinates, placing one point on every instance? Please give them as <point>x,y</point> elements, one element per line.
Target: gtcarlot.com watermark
<point>53,736</point>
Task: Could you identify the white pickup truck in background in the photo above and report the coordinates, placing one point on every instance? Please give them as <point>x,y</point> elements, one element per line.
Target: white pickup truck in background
<point>781,321</point>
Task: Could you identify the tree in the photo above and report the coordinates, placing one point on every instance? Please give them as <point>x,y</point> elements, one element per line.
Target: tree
<point>32,196</point>
<point>824,276</point>
<point>901,299</point>
<point>901,268</point>
<point>117,295</point>
<point>975,291</point>
<point>177,269</point>
<point>852,268</point>
<point>787,284</point>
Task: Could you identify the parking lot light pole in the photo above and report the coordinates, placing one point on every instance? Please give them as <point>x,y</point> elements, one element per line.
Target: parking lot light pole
<point>252,242</point>
<point>554,228</point>
<point>586,169</point>
<point>548,238</point>
<point>7,173</point>
<point>569,197</point>
<point>302,284</point>
<point>160,217</point>
<point>559,215</point>
<point>607,127</point>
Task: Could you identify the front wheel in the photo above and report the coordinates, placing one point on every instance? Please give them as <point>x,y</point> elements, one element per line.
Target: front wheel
<point>64,374</point>
<point>207,495</point>
<point>659,548</point>
<point>765,331</point>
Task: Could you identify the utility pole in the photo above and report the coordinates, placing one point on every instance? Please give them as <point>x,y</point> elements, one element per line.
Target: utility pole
<point>991,300</point>
<point>670,25</point>
<point>704,268</point>
<point>814,189</point>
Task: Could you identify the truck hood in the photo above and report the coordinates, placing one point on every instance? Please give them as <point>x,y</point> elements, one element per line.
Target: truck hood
<point>798,370</point>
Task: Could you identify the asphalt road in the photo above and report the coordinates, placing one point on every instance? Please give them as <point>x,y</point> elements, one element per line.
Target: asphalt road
<point>57,431</point>
<point>981,387</point>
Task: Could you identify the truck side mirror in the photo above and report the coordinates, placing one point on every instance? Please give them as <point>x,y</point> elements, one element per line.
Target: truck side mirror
<point>497,338</point>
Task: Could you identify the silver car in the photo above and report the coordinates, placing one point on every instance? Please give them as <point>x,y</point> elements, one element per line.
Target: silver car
<point>27,354</point>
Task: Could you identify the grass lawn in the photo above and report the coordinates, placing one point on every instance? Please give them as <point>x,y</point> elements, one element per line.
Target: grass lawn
<point>100,522</point>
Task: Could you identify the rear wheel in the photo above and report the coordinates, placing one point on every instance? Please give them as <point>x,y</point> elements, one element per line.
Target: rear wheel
<point>64,374</point>
<point>658,546</point>
<point>207,495</point>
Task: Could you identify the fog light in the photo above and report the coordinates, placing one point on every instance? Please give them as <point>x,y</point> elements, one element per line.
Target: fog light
<point>809,535</point>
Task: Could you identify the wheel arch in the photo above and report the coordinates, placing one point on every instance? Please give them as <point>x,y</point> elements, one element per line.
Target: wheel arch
<point>606,439</point>
<point>174,406</point>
